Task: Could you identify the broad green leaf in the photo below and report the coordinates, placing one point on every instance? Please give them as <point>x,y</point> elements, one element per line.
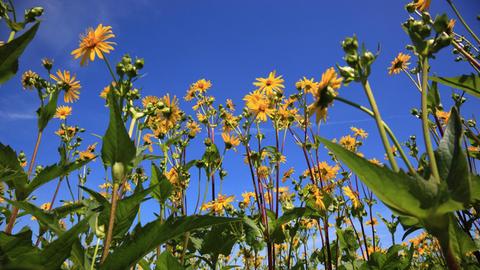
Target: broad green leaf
<point>52,172</point>
<point>155,233</point>
<point>475,188</point>
<point>452,160</point>
<point>43,217</point>
<point>220,240</point>
<point>117,145</point>
<point>452,237</point>
<point>46,113</point>
<point>13,246</point>
<point>59,250</point>
<point>163,187</point>
<point>53,255</point>
<point>406,195</point>
<point>167,261</point>
<point>11,51</point>
<point>11,172</point>
<point>468,83</point>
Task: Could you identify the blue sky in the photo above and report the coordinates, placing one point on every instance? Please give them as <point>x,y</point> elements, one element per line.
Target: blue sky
<point>230,43</point>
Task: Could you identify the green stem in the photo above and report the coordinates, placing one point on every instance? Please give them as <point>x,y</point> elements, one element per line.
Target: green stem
<point>463,21</point>
<point>132,126</point>
<point>109,68</point>
<point>381,128</point>
<point>425,121</point>
<point>387,129</point>
<point>95,254</point>
<point>11,37</point>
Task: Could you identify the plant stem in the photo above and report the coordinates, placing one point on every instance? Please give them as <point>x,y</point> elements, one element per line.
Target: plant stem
<point>452,262</point>
<point>132,126</point>
<point>14,214</point>
<point>95,254</point>
<point>425,121</point>
<point>387,129</point>
<point>380,126</point>
<point>11,36</point>
<point>109,68</point>
<point>111,222</point>
<point>469,57</point>
<point>463,21</point>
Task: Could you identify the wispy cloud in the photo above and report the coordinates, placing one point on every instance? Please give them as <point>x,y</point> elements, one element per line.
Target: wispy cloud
<point>17,116</point>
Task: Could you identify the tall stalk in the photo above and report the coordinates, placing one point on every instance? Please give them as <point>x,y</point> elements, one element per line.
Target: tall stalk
<point>425,121</point>
<point>14,214</point>
<point>380,126</point>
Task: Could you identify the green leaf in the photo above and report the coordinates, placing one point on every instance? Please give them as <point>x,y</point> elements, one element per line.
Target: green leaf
<point>406,195</point>
<point>163,187</point>
<point>167,261</point>
<point>11,172</point>
<point>452,160</point>
<point>59,250</point>
<point>220,240</point>
<point>52,172</point>
<point>468,83</point>
<point>43,217</point>
<point>11,51</point>
<point>13,246</point>
<point>117,145</point>
<point>46,113</point>
<point>155,233</point>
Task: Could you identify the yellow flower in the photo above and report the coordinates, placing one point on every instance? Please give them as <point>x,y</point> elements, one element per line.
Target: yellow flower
<point>323,171</point>
<point>307,85</point>
<point>106,90</point>
<point>219,205</point>
<point>259,105</point>
<point>263,172</point>
<point>62,112</point>
<point>287,174</point>
<point>89,153</point>
<point>358,132</point>
<point>230,105</point>
<point>105,185</point>
<point>247,196</point>
<point>474,149</point>
<point>443,116</point>
<point>316,194</point>
<point>323,94</point>
<point>352,196</point>
<point>372,221</point>
<point>46,206</point>
<point>422,5</point>
<point>329,78</point>
<point>201,86</point>
<point>148,141</point>
<point>167,117</point>
<point>230,140</point>
<point>348,142</point>
<point>375,161</point>
<point>270,85</point>
<point>29,79</point>
<point>399,63</point>
<point>94,42</point>
<point>69,84</point>
<point>152,100</point>
<point>193,129</point>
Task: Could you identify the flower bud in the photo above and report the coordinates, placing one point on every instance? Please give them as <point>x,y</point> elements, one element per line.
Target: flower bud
<point>47,64</point>
<point>350,45</point>
<point>32,14</point>
<point>139,63</point>
<point>118,171</point>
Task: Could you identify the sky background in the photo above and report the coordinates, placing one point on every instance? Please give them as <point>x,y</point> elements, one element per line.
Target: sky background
<point>230,43</point>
